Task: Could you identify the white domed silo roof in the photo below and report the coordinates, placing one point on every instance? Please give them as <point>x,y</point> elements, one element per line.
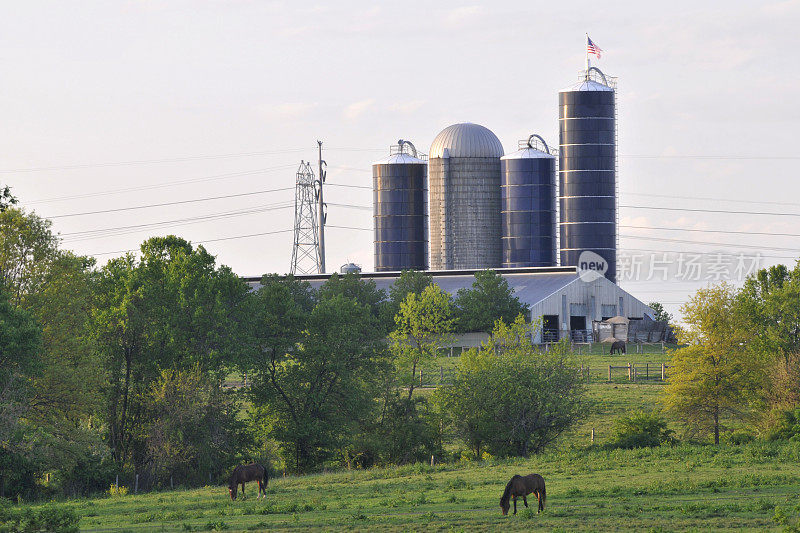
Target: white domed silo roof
<point>588,85</point>
<point>528,153</point>
<point>466,140</point>
<point>399,159</point>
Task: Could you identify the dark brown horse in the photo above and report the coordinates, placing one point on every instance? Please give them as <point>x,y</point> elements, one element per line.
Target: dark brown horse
<point>522,486</point>
<point>244,473</point>
<point>618,346</point>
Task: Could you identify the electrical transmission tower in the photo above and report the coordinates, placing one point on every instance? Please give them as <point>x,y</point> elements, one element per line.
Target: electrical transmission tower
<point>306,256</point>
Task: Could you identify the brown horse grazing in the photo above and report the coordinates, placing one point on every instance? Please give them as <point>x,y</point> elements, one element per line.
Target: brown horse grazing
<point>618,346</point>
<point>252,472</point>
<point>522,486</point>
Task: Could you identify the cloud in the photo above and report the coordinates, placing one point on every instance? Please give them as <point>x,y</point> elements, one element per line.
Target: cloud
<point>356,109</point>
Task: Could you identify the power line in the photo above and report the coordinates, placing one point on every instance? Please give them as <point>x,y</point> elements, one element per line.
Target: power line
<point>732,232</point>
<point>123,230</point>
<point>150,161</point>
<point>352,206</point>
<point>657,208</point>
<point>682,241</point>
<point>163,185</point>
<point>173,203</point>
<point>349,186</point>
<point>711,199</point>
<point>207,241</point>
<point>714,157</point>
<point>694,252</point>
<point>348,227</point>
<point>176,159</point>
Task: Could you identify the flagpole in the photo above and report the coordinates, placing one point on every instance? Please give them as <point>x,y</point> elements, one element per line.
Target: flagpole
<point>588,64</point>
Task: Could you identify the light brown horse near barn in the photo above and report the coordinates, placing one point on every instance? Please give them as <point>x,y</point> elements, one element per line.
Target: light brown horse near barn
<point>522,486</point>
<point>244,473</point>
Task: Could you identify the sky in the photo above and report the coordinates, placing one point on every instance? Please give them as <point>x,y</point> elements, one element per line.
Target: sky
<point>118,105</point>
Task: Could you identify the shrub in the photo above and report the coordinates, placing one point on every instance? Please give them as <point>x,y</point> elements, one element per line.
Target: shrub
<point>787,427</point>
<point>740,437</point>
<point>641,430</point>
<point>47,518</point>
<point>510,399</point>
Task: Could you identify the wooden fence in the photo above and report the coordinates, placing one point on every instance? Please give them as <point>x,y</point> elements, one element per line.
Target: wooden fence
<point>634,372</point>
<point>642,371</point>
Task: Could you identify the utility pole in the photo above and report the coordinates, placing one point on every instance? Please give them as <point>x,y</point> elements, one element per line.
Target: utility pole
<point>305,252</point>
<point>321,215</point>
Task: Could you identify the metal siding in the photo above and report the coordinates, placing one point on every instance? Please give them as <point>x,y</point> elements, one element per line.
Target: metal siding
<point>465,213</point>
<point>528,217</point>
<point>587,175</point>
<point>400,215</point>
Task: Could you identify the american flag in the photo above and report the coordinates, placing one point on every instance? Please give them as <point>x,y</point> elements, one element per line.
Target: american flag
<point>592,48</point>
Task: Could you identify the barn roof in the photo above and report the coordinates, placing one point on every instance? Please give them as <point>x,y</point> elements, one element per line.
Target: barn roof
<point>530,285</point>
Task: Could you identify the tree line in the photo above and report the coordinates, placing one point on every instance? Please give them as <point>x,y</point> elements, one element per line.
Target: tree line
<point>737,375</point>
<point>125,368</point>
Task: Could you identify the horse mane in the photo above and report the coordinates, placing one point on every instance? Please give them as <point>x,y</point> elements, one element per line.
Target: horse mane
<point>233,476</point>
<point>507,493</point>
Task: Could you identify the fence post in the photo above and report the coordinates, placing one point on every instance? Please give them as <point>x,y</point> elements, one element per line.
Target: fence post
<point>171,484</point>
<point>629,372</point>
<point>662,371</point>
<point>420,377</point>
<point>451,351</point>
<point>647,370</point>
<point>609,373</point>
<point>116,483</point>
<point>634,374</point>
<point>136,485</point>
<point>441,374</point>
<point>592,435</point>
<point>431,460</point>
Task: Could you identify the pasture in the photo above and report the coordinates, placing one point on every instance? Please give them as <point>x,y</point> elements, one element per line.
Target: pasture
<point>754,486</point>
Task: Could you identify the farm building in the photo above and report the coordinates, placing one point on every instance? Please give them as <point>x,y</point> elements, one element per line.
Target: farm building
<point>565,302</point>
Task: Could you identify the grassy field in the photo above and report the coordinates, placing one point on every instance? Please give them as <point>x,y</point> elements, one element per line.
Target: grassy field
<point>754,486</point>
<point>680,488</point>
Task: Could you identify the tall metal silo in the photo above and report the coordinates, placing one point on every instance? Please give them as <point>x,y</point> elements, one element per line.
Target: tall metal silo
<point>464,166</point>
<point>587,172</point>
<point>400,204</point>
<point>528,205</point>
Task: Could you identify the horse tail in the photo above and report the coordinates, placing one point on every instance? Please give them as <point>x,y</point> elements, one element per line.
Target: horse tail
<point>544,494</point>
<point>266,475</point>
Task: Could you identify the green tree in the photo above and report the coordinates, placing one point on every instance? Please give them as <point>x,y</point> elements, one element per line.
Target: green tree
<point>6,198</point>
<point>423,325</point>
<point>20,340</point>
<point>661,314</point>
<point>714,378</point>
<point>322,388</point>
<point>351,285</point>
<point>27,248</point>
<point>489,299</point>
<point>192,430</point>
<point>67,390</point>
<point>769,305</point>
<point>174,308</point>
<point>410,281</point>
<point>55,287</point>
<point>511,398</point>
